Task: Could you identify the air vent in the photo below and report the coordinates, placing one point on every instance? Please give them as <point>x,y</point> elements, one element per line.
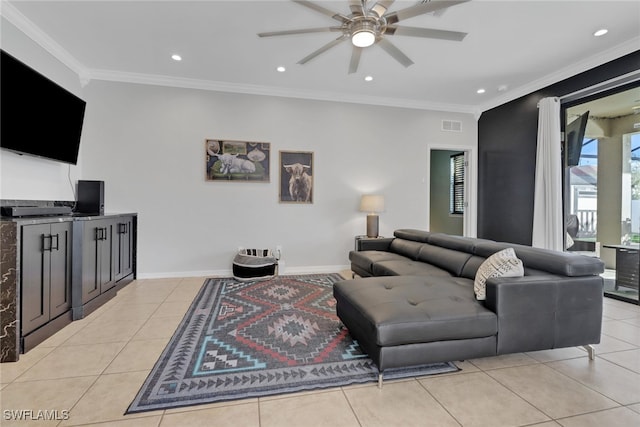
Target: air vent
<point>451,126</point>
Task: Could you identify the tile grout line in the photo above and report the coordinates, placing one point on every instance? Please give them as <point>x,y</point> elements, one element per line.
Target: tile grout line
<point>440,403</point>
<point>586,385</point>
<point>102,373</point>
<point>518,394</point>
<point>344,394</point>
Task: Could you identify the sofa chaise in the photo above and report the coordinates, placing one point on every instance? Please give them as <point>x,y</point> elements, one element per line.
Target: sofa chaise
<point>415,301</point>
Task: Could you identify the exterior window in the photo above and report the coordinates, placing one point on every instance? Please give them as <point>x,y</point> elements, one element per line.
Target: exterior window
<point>583,186</point>
<point>456,205</point>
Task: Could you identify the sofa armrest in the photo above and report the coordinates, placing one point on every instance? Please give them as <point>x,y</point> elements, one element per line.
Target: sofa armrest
<point>381,244</point>
<point>547,311</point>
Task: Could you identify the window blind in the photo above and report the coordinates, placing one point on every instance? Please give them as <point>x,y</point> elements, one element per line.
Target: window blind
<point>456,198</point>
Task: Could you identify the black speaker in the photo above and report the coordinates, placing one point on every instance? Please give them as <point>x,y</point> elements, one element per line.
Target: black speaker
<point>90,197</point>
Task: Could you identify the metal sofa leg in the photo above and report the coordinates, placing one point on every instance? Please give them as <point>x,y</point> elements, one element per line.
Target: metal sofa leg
<point>591,350</point>
<point>380,380</point>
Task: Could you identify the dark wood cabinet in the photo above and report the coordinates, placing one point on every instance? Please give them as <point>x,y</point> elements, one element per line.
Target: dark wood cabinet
<point>123,247</point>
<point>107,247</point>
<point>97,258</point>
<point>59,269</point>
<point>45,274</point>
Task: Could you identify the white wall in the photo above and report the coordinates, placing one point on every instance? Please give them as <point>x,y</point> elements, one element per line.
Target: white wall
<point>147,144</point>
<point>27,177</point>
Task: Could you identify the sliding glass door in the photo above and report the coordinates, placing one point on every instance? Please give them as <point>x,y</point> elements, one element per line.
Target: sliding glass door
<point>602,185</point>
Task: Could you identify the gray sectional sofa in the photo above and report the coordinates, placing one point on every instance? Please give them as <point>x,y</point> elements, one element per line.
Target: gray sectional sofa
<point>414,301</point>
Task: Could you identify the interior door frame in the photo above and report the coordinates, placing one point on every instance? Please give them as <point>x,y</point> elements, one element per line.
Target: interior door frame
<point>469,221</point>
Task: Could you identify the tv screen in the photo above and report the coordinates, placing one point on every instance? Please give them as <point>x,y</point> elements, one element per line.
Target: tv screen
<point>574,132</point>
<point>37,116</point>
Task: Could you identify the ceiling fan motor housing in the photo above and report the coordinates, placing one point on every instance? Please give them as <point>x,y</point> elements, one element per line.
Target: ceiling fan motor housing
<point>364,30</point>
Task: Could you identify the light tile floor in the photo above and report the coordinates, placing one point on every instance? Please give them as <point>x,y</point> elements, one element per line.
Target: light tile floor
<point>94,367</point>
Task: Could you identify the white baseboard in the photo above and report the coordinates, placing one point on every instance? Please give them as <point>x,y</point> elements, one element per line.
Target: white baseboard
<point>229,273</point>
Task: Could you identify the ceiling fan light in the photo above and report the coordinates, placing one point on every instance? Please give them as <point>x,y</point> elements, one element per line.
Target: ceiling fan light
<point>363,38</point>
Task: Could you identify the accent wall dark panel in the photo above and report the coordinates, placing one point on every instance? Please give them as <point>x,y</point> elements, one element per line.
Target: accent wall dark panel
<point>507,154</point>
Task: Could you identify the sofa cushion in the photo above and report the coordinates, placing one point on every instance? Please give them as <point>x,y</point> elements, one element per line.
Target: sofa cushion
<point>470,269</point>
<point>563,263</point>
<point>366,259</point>
<point>457,243</point>
<point>408,309</point>
<point>448,259</point>
<point>411,234</point>
<point>501,264</point>
<point>406,248</point>
<point>407,267</point>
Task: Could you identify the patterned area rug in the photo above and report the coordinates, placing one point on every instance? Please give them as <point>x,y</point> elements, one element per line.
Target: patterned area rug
<point>260,338</point>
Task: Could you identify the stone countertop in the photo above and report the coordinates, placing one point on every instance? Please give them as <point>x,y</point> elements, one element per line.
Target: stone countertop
<point>47,219</point>
<point>629,247</point>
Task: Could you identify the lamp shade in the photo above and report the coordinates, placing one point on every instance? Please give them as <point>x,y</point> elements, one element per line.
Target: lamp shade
<point>372,203</point>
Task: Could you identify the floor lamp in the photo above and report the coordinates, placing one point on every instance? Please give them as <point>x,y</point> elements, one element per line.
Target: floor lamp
<point>372,203</point>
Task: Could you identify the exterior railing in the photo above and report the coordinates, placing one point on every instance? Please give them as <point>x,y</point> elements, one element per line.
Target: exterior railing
<point>588,222</point>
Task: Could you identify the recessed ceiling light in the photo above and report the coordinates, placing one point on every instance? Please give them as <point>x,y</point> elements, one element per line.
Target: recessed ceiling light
<point>601,32</point>
<point>368,78</point>
<point>281,69</point>
<point>176,57</point>
<point>480,91</point>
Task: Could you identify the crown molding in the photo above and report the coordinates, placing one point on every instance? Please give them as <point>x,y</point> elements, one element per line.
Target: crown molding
<point>216,86</point>
<point>15,17</point>
<point>579,67</point>
<point>31,30</point>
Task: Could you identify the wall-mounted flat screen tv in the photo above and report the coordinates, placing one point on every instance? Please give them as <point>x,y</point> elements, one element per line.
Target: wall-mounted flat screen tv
<point>37,116</point>
<point>575,136</point>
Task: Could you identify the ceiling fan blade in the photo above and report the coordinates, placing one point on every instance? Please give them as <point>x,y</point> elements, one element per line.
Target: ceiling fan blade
<point>323,10</point>
<point>421,9</point>
<point>425,32</point>
<point>357,8</point>
<point>392,50</point>
<point>355,59</point>
<point>323,49</point>
<point>381,7</point>
<point>301,31</point>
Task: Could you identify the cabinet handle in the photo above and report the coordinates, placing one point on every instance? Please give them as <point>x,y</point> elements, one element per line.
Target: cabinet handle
<point>57,247</point>
<point>44,242</point>
<point>101,233</point>
<point>122,228</point>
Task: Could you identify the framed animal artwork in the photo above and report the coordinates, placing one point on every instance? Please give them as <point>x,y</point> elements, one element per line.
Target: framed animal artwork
<point>240,161</point>
<point>296,177</point>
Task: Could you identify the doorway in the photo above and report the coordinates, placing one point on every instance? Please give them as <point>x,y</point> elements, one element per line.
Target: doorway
<point>602,186</point>
<point>447,190</point>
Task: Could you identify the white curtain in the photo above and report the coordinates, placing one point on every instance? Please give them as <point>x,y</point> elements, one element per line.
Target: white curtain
<point>548,229</point>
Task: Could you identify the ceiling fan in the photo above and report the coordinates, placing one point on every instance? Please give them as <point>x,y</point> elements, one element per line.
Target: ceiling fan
<point>366,26</point>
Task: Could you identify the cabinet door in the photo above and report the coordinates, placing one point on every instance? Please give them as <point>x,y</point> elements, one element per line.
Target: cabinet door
<point>35,267</point>
<point>92,233</point>
<point>123,258</point>
<point>106,249</point>
<point>60,273</point>
<point>97,258</point>
<point>90,238</point>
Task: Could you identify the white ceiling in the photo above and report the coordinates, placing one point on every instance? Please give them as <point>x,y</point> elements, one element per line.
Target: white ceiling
<point>517,44</point>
